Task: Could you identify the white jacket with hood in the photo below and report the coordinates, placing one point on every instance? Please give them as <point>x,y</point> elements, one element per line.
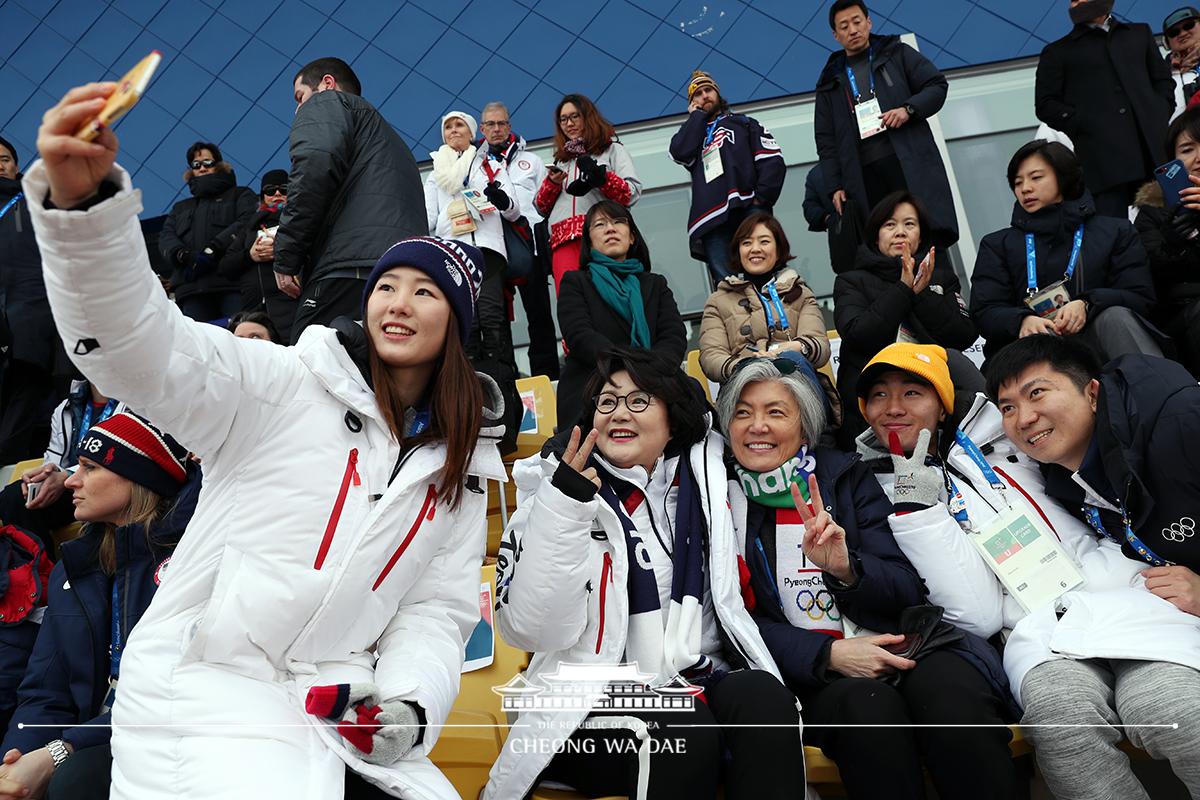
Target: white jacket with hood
<point>1111,616</point>
<point>559,560</point>
<point>488,233</point>
<point>303,564</point>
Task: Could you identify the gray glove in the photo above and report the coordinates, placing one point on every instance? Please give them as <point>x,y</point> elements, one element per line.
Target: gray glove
<point>918,485</point>
<point>382,732</point>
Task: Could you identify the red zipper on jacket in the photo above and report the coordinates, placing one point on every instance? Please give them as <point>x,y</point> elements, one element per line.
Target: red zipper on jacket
<point>351,474</point>
<point>1032,502</point>
<point>605,580</point>
<point>427,510</point>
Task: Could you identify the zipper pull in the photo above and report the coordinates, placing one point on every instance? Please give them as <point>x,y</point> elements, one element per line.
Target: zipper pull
<point>354,467</point>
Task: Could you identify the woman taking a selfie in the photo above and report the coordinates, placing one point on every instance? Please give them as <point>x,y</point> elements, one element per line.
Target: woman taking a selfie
<point>332,566</point>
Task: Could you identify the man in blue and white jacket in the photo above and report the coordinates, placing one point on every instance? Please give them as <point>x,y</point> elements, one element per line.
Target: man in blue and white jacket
<point>736,168</point>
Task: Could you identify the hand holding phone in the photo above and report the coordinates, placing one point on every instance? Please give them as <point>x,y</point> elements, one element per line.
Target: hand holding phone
<point>129,90</point>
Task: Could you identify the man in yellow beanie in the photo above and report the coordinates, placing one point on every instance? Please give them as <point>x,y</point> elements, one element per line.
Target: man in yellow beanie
<point>736,168</point>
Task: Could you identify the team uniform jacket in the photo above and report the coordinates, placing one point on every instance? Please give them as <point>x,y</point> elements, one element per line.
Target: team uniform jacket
<point>752,166</point>
<point>303,565</point>
<point>1110,616</point>
<point>561,584</point>
<point>488,233</point>
<point>565,212</point>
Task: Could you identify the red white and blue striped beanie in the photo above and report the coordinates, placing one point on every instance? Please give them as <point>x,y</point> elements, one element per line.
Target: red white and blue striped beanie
<point>456,267</point>
<point>134,449</point>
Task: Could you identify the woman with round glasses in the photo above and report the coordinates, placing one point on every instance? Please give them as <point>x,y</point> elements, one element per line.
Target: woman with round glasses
<point>619,569</point>
<point>200,229</point>
<point>612,299</point>
<point>590,165</point>
<point>828,585</point>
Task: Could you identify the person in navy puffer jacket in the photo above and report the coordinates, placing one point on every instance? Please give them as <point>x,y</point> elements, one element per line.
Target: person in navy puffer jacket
<point>135,507</point>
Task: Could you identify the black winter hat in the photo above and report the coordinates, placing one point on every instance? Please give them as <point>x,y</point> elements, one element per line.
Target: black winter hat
<point>456,267</point>
<point>276,177</point>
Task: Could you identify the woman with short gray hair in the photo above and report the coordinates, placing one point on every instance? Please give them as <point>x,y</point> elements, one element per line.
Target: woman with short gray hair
<point>827,583</point>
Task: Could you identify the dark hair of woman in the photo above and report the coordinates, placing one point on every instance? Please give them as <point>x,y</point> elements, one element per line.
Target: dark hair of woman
<point>1061,160</point>
<point>455,406</point>
<point>883,212</point>
<point>783,249</point>
<point>598,132</point>
<point>660,376</point>
<point>614,211</point>
<point>1188,122</point>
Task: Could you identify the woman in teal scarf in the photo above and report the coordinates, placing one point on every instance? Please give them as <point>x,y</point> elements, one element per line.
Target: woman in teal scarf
<point>612,300</point>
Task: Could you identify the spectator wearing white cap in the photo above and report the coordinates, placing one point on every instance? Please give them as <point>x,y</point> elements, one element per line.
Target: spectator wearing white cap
<point>466,196</point>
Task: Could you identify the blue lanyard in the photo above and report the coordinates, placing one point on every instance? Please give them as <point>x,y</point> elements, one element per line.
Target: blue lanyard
<point>1031,260</point>
<point>771,298</point>
<point>116,644</point>
<point>711,130</point>
<point>957,505</point>
<point>976,455</point>
<point>8,206</point>
<point>1148,555</point>
<point>85,424</point>
<point>870,74</point>
<point>420,422</point>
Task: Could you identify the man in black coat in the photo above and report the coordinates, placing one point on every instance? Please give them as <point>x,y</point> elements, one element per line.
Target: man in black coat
<point>354,191</point>
<point>1106,86</point>
<point>200,229</point>
<point>868,153</point>
<point>28,340</point>
<point>1118,443</point>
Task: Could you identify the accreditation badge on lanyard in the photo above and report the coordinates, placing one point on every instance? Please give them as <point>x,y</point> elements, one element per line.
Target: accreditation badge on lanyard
<point>1017,545</point>
<point>711,154</point>
<point>866,112</point>
<point>1046,302</point>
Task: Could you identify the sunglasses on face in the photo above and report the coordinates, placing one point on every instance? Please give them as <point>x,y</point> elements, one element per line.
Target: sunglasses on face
<point>274,188</point>
<point>1186,25</point>
<point>203,162</point>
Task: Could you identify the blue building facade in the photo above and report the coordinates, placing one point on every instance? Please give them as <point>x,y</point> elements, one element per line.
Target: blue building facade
<point>228,65</point>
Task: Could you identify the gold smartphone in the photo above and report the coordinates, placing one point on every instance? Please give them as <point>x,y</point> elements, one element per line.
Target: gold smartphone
<point>128,92</point>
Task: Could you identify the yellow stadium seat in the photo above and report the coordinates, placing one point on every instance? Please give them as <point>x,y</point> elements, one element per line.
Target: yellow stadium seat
<point>466,754</point>
<point>693,369</point>
<point>502,500</point>
<point>21,467</point>
<point>827,368</point>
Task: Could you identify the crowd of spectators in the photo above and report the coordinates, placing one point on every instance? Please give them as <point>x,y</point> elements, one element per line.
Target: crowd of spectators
<point>826,540</point>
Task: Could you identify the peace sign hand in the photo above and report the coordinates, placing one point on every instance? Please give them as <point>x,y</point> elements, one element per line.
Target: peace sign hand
<point>576,456</point>
<point>917,483</point>
<point>824,540</point>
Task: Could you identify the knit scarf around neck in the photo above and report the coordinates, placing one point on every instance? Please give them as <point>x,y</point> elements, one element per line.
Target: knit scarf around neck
<point>450,167</point>
<point>618,285</point>
<point>673,647</point>
<point>774,487</point>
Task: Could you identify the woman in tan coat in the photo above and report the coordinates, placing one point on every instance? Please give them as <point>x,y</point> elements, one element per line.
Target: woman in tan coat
<point>767,308</point>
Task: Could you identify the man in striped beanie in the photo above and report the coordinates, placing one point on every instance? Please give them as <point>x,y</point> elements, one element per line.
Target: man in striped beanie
<point>133,448</point>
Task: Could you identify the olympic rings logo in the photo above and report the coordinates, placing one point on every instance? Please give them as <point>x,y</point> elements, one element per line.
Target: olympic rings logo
<point>1180,531</point>
<point>818,605</point>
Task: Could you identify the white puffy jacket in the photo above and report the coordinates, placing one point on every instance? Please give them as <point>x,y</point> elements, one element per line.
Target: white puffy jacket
<point>301,565</point>
<point>488,234</point>
<point>1110,616</point>
<point>557,555</point>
